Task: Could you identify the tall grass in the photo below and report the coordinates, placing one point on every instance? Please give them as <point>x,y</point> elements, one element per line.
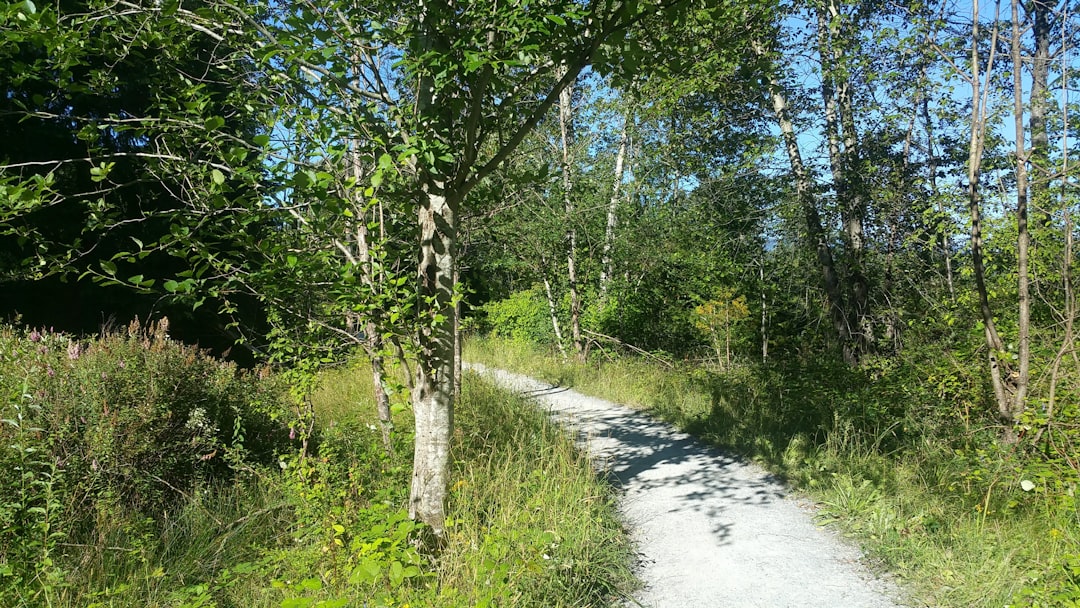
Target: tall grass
<point>530,523</point>
<point>893,454</point>
<point>239,503</point>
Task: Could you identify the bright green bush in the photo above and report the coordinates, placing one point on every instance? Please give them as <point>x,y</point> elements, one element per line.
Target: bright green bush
<point>523,316</point>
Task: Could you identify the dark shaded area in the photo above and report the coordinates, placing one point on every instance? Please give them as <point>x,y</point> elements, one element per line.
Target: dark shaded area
<point>86,309</point>
<point>65,110</point>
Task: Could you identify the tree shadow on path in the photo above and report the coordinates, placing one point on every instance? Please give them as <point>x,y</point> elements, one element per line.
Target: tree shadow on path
<point>639,454</point>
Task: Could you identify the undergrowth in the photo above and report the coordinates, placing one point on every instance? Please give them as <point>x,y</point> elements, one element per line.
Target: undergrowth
<point>899,455</point>
<point>141,472</point>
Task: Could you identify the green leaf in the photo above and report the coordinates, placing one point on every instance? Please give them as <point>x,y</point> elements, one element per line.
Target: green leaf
<point>260,140</point>
<point>213,123</point>
<point>171,286</point>
<point>397,574</point>
<point>28,7</point>
<point>108,267</point>
<point>217,177</point>
<point>555,19</point>
<point>291,260</point>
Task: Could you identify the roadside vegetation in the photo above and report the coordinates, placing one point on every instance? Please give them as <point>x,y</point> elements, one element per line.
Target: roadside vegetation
<point>897,454</point>
<point>141,472</point>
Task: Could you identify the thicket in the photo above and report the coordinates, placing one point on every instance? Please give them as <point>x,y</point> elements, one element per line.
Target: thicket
<point>142,472</point>
<point>903,454</point>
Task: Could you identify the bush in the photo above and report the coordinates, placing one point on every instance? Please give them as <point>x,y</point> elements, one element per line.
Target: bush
<point>108,434</point>
<point>524,316</point>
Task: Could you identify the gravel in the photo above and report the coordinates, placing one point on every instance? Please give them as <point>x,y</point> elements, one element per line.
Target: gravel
<point>710,528</point>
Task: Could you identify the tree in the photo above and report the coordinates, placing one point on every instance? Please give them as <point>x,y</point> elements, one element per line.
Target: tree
<point>427,100</point>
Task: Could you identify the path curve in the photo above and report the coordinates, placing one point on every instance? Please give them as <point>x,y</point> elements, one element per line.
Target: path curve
<point>712,530</point>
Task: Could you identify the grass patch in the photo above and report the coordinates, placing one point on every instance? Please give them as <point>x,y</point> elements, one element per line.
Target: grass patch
<point>894,454</point>
<point>227,510</point>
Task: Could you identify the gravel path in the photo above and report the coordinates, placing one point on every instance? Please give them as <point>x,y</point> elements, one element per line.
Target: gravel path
<point>711,530</point>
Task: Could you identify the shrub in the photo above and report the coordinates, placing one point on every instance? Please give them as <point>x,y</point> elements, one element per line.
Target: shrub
<point>524,316</point>
<point>107,434</point>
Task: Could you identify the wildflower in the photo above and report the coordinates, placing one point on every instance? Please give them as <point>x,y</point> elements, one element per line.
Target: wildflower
<point>74,350</point>
<point>292,433</point>
<point>50,371</point>
<point>35,336</point>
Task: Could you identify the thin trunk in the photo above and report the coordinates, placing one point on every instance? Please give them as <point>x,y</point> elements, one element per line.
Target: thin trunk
<point>378,378</point>
<point>1068,343</point>
<point>372,343</point>
<point>815,232</point>
<point>843,162</point>
<point>994,344</point>
<point>855,210</point>
<point>566,131</point>
<point>764,316</point>
<point>1011,415</point>
<point>457,338</point>
<point>1039,104</point>
<point>553,309</point>
<point>612,214</point>
<point>727,338</point>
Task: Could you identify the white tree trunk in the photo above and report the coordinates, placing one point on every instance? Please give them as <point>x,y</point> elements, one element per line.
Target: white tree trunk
<point>433,392</point>
<point>612,214</point>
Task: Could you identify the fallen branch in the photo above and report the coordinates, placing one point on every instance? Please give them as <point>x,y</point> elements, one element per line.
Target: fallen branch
<point>669,364</point>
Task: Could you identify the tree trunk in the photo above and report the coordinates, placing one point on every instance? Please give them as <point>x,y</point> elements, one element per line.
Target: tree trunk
<point>433,391</point>
<point>764,315</point>
<point>815,232</point>
<point>553,309</point>
<point>457,337</point>
<point>612,214</point>
<point>566,131</point>
<point>994,344</point>
<point>378,377</point>
<point>1039,104</point>
<point>843,162</point>
<point>931,172</point>
<point>1011,414</point>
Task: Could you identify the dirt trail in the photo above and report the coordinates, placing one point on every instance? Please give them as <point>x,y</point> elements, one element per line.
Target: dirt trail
<point>711,530</point>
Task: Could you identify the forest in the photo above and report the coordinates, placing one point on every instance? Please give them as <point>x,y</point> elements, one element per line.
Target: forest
<point>833,235</point>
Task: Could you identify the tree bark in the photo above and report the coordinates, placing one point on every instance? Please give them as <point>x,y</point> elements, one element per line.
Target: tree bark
<point>566,132</point>
<point>994,344</point>
<point>612,214</point>
<point>1011,414</point>
<point>553,310</point>
<point>815,232</point>
<point>1039,104</point>
<point>433,391</point>
<point>931,173</point>
<point>378,377</point>
<point>844,164</point>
